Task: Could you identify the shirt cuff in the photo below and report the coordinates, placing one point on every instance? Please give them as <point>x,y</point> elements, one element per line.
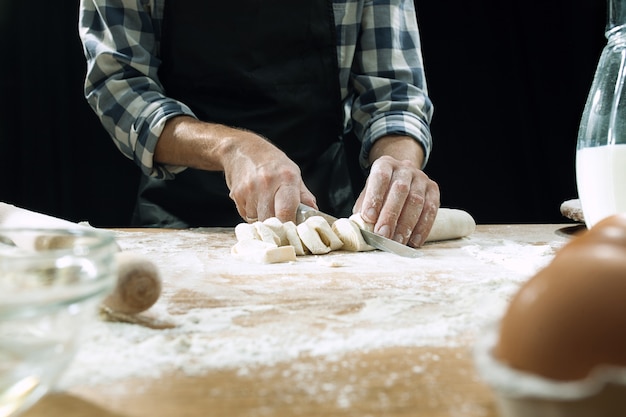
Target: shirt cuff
<point>149,129</point>
<point>400,123</point>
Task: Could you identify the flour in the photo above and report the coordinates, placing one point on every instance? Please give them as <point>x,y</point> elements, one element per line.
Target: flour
<point>229,314</point>
<point>501,254</point>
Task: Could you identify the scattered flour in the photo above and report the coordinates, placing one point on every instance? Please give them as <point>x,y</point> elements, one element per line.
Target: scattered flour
<point>230,314</point>
<point>523,259</point>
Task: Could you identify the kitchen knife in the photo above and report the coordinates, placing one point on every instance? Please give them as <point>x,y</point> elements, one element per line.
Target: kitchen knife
<point>372,239</point>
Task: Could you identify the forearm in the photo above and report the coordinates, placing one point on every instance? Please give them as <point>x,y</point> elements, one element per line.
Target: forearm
<point>263,182</point>
<point>189,142</point>
<point>402,148</point>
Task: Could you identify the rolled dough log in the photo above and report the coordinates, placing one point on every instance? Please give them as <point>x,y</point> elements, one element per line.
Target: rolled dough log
<point>451,224</point>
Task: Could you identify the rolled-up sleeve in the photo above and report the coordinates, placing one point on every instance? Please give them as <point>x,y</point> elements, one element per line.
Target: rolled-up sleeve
<point>122,85</point>
<point>388,77</point>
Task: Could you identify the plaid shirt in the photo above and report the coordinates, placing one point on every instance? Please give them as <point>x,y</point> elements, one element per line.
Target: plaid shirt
<point>378,47</point>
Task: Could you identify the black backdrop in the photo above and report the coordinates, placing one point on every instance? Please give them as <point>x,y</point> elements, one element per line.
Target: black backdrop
<point>54,155</point>
<point>509,80</point>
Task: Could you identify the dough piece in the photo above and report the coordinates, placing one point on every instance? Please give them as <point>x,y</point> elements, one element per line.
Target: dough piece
<point>350,234</point>
<point>451,224</point>
<point>252,250</point>
<point>318,236</point>
<point>356,217</point>
<point>293,239</point>
<point>246,231</point>
<point>572,209</point>
<point>325,231</point>
<point>266,234</point>
<point>277,227</point>
<point>285,235</point>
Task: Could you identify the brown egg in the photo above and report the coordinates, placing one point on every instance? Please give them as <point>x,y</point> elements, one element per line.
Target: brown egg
<point>610,230</point>
<point>571,316</point>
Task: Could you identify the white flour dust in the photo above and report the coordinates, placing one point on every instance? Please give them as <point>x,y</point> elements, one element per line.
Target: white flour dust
<point>230,314</point>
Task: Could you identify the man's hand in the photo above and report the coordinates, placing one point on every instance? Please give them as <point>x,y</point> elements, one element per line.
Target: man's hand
<point>262,180</point>
<point>399,198</point>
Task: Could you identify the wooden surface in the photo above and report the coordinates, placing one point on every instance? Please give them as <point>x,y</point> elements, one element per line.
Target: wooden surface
<point>406,369</point>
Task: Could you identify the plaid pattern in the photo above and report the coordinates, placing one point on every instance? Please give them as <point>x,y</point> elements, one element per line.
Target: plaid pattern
<point>378,48</point>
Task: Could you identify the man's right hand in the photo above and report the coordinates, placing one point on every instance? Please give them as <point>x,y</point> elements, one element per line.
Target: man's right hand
<point>262,180</point>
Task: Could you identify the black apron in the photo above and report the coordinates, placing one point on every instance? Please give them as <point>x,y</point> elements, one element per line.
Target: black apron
<point>269,66</point>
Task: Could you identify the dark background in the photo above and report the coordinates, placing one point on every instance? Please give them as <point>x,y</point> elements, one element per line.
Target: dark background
<point>509,80</point>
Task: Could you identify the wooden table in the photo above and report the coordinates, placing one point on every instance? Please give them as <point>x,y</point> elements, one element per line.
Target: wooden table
<point>344,334</point>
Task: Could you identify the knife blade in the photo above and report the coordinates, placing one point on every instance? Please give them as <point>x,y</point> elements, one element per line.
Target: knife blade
<point>377,241</point>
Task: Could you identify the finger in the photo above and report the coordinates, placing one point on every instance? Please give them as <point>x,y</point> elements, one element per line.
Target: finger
<point>306,197</point>
<point>240,204</point>
<point>265,191</point>
<point>250,212</point>
<point>395,201</point>
<point>246,202</point>
<point>427,217</point>
<point>411,213</point>
<point>265,206</point>
<point>376,188</point>
<point>286,202</point>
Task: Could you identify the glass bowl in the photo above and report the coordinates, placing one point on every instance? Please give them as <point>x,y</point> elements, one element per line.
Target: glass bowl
<point>51,284</point>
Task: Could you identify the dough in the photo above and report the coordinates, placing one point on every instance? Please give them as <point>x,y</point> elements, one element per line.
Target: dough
<point>293,239</point>
<point>271,241</point>
<point>257,231</point>
<point>572,209</point>
<point>278,228</point>
<point>266,234</point>
<point>317,235</point>
<point>356,218</point>
<point>350,234</point>
<point>246,231</point>
<point>263,243</point>
<point>258,251</point>
<point>451,224</point>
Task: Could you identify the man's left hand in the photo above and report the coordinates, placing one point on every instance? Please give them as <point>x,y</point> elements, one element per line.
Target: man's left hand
<point>399,198</point>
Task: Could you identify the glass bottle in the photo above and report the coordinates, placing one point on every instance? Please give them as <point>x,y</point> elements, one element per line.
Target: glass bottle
<point>601,146</point>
